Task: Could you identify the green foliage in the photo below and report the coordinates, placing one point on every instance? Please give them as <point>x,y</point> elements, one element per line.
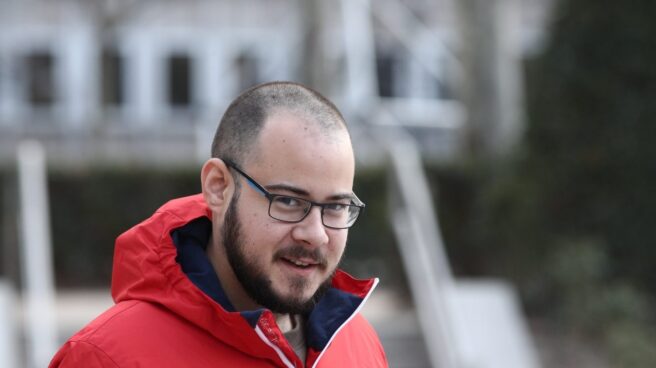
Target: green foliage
<point>584,297</point>
<point>90,208</point>
<point>586,301</point>
<point>371,246</point>
<point>589,142</point>
<point>631,344</point>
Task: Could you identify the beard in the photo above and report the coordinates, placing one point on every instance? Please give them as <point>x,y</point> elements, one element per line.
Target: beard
<point>257,284</point>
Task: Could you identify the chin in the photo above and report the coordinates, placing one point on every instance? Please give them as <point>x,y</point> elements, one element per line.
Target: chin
<point>297,296</point>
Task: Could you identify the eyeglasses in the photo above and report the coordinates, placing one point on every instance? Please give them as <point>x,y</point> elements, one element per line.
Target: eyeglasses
<point>293,209</point>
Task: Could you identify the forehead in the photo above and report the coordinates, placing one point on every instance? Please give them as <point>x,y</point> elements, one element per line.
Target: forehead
<point>295,150</point>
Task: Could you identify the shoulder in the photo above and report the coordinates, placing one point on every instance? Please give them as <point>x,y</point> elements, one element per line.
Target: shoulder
<point>122,318</point>
<point>122,333</point>
<point>81,354</point>
<point>360,332</point>
<point>359,326</point>
<point>84,348</point>
<point>357,344</point>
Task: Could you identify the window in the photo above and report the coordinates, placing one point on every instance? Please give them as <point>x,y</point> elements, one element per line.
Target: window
<point>40,79</point>
<point>179,80</point>
<point>385,68</point>
<point>112,78</point>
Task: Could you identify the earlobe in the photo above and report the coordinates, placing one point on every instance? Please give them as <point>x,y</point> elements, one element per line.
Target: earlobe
<point>216,182</point>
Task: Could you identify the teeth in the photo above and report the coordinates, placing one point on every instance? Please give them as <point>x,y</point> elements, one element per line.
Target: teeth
<point>299,263</point>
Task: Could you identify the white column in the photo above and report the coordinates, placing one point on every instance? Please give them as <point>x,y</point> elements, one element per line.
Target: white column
<point>509,74</point>
<point>143,77</point>
<point>78,80</point>
<point>36,255</point>
<point>423,82</point>
<point>12,101</point>
<point>212,68</point>
<point>214,87</point>
<point>362,85</point>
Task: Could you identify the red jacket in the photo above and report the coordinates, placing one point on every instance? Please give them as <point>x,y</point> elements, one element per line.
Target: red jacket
<point>171,311</point>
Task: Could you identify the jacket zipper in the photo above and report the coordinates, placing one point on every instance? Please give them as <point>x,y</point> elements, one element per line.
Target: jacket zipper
<point>281,355</point>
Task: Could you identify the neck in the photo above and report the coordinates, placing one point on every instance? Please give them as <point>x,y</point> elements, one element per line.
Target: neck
<point>286,322</point>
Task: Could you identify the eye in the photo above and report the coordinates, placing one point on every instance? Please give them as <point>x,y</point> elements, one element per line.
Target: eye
<point>289,202</point>
<point>335,207</point>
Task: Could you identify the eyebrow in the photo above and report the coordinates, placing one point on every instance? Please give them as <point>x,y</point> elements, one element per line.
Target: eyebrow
<point>305,193</point>
<point>339,196</point>
<point>288,188</point>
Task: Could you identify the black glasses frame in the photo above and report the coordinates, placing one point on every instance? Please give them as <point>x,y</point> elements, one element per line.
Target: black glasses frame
<point>356,202</point>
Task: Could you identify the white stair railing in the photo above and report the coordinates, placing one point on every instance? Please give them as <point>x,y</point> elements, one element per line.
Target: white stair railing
<point>415,225</point>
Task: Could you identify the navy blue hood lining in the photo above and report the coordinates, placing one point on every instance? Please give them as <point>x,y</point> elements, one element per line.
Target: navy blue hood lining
<point>191,242</point>
<point>333,309</point>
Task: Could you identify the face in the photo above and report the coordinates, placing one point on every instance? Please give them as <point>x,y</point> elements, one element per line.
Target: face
<point>285,266</point>
<point>255,282</point>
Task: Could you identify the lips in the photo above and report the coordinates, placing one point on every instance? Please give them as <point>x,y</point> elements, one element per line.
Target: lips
<point>300,257</point>
<point>300,262</point>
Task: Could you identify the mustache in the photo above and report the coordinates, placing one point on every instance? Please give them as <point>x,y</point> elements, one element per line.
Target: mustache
<point>299,251</point>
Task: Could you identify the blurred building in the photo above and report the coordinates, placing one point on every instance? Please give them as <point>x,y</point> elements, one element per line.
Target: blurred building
<point>145,82</point>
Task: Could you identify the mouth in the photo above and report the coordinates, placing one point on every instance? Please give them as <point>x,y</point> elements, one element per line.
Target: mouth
<point>300,263</point>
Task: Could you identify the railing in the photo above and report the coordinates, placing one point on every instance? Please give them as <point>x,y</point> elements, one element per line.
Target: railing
<point>416,227</point>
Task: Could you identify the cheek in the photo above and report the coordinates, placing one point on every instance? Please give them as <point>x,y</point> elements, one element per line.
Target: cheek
<point>261,233</point>
<point>338,242</point>
<point>251,220</point>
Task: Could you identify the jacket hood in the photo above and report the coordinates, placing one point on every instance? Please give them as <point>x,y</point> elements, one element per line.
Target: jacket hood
<point>162,261</point>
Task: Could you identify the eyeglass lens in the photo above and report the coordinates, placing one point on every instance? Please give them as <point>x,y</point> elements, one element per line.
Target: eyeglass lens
<point>293,209</point>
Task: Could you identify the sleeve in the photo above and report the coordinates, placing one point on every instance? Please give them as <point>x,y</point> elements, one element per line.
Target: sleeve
<point>81,354</point>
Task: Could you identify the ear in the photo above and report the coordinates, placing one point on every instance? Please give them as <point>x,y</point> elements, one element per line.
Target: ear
<point>218,185</point>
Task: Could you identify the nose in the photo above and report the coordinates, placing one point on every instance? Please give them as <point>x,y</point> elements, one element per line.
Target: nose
<point>311,230</point>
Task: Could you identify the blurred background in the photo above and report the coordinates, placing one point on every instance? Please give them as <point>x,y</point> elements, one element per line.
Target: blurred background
<point>504,152</point>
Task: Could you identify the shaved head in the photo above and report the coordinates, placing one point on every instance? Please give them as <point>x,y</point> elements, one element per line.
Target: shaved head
<point>242,122</point>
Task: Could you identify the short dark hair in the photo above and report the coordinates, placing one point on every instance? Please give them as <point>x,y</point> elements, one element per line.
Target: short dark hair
<point>243,120</point>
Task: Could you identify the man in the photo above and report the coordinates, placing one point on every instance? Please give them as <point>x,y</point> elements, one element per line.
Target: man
<point>245,275</point>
